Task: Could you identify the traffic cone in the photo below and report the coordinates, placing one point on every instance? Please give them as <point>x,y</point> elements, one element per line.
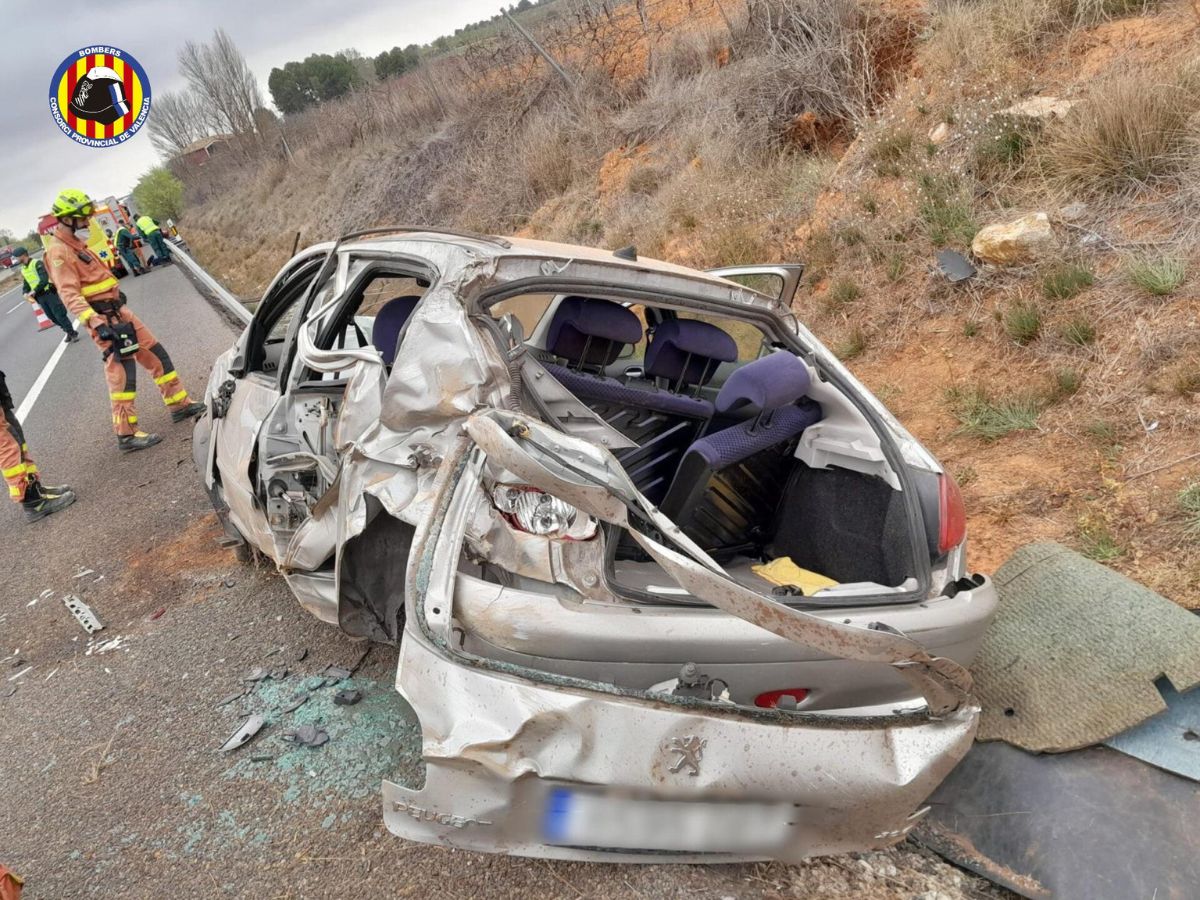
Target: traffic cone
<point>43,322</point>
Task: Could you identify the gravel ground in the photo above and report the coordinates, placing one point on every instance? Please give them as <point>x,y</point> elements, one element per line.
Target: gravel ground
<point>109,775</point>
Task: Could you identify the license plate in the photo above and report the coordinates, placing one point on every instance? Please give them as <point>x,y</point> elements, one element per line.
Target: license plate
<point>587,819</point>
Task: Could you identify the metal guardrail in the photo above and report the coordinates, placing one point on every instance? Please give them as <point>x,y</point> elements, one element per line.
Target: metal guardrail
<point>231,303</point>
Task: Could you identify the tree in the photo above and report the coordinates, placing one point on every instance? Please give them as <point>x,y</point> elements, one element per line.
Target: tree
<point>320,77</point>
<point>222,83</point>
<point>159,194</point>
<point>524,5</point>
<point>289,89</point>
<point>397,61</point>
<point>177,121</point>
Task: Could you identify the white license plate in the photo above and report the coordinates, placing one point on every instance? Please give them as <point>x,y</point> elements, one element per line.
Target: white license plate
<point>587,819</point>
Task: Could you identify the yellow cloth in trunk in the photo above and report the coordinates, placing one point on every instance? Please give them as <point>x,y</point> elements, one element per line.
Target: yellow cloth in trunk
<point>783,571</point>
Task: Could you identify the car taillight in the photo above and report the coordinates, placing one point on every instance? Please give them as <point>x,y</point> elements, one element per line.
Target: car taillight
<point>536,512</point>
<point>770,699</point>
<point>952,515</point>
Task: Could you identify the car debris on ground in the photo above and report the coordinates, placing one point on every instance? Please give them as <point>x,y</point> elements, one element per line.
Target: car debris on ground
<point>1089,689</point>
<point>83,614</point>
<point>307,735</point>
<point>243,733</point>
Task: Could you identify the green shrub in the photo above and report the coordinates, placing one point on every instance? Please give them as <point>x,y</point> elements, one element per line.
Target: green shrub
<point>945,210</point>
<point>1079,332</point>
<point>854,345</point>
<point>1066,383</point>
<point>1023,322</point>
<point>1097,542</point>
<point>1158,276</point>
<point>1065,281</point>
<point>159,194</point>
<point>841,292</point>
<point>1002,147</point>
<point>990,419</point>
<point>1189,502</point>
<point>889,150</point>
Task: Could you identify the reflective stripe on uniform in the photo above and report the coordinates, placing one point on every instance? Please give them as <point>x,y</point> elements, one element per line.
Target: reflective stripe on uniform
<point>124,395</point>
<point>91,290</point>
<point>30,469</point>
<point>19,469</point>
<point>163,379</point>
<point>175,398</point>
<point>86,314</point>
<point>16,491</point>
<point>117,420</point>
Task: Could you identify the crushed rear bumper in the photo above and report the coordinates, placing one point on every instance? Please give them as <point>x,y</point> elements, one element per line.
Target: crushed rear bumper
<point>497,746</point>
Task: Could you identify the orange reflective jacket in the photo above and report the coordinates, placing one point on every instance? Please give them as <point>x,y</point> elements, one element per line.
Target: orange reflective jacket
<point>77,273</point>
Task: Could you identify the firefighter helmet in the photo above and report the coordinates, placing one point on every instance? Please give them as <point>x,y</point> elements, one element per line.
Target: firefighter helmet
<point>99,96</point>
<point>71,203</point>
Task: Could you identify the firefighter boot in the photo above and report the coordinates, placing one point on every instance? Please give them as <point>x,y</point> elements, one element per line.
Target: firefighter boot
<point>128,443</point>
<point>191,411</point>
<point>39,503</point>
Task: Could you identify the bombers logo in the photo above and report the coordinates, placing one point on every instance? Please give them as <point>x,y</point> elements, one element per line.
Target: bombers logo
<point>100,96</point>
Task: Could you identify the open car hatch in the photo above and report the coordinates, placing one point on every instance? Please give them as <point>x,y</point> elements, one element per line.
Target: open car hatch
<point>589,478</point>
<point>533,763</point>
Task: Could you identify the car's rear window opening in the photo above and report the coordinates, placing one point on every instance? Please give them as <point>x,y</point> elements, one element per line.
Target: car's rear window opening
<point>717,412</point>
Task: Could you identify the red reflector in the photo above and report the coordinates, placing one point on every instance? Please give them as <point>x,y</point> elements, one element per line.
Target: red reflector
<point>770,699</point>
<point>952,515</point>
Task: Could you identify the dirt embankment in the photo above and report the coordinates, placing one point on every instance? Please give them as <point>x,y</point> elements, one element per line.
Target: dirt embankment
<point>860,136</point>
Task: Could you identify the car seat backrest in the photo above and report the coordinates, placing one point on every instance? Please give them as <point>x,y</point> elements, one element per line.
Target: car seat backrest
<point>730,481</point>
<point>389,322</point>
<point>687,353</point>
<point>589,332</point>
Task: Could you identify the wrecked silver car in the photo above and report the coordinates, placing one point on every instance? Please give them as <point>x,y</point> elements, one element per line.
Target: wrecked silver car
<point>666,580</point>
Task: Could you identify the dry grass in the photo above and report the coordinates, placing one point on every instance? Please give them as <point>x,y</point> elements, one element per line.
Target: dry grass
<point>1134,131</point>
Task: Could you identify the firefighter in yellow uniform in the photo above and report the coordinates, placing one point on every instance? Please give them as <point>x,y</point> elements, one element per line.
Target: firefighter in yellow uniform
<point>89,291</point>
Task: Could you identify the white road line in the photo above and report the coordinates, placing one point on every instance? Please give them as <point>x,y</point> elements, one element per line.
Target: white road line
<point>15,308</point>
<point>36,390</point>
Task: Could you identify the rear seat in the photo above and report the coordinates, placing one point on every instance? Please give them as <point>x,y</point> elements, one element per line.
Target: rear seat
<point>590,334</point>
<point>729,482</point>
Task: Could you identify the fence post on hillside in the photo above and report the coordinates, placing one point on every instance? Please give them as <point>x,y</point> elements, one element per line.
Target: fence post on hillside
<point>542,51</point>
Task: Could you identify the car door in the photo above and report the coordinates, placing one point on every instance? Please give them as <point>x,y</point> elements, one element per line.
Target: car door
<point>251,393</point>
<point>778,280</point>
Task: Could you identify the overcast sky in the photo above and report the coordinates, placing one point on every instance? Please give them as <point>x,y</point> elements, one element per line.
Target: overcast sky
<point>38,159</point>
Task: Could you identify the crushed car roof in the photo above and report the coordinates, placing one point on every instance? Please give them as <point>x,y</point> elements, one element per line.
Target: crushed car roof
<point>499,247</point>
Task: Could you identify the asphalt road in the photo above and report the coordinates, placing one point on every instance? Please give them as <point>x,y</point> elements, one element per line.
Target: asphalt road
<point>110,782</point>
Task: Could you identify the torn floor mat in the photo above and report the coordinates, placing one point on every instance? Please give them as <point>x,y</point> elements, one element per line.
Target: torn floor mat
<point>1074,651</point>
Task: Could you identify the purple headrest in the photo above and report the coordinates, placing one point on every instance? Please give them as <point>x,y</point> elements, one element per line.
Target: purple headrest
<point>599,328</point>
<point>687,351</point>
<point>388,322</point>
<point>767,383</point>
